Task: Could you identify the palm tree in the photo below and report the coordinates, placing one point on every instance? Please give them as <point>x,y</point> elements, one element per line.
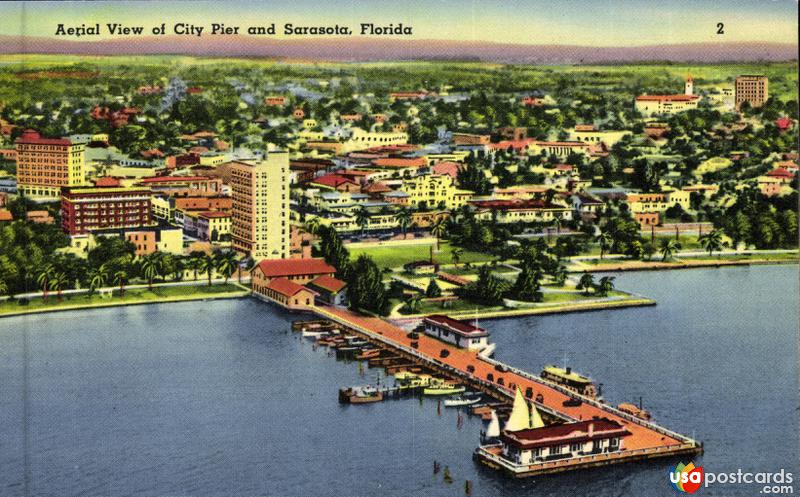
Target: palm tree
<point>560,275</point>
<point>58,282</point>
<point>438,229</point>
<point>207,265</point>
<point>712,241</point>
<point>362,219</point>
<point>226,263</point>
<point>44,279</point>
<point>312,226</point>
<point>586,283</point>
<point>604,239</point>
<point>605,286</point>
<point>194,262</point>
<point>246,264</point>
<point>403,219</point>
<point>120,277</point>
<point>151,268</point>
<point>97,278</point>
<point>668,248</point>
<point>412,303</point>
<point>456,254</point>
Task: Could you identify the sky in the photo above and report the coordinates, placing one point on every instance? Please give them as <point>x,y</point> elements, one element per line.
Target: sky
<point>565,22</point>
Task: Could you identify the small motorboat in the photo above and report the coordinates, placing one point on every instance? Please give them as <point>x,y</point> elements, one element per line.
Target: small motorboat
<point>368,354</point>
<point>314,333</point>
<point>571,402</point>
<point>461,401</point>
<point>360,395</point>
<point>635,410</point>
<point>443,389</point>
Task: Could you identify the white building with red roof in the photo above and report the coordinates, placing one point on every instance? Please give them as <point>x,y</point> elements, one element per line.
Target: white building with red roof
<point>456,332</point>
<point>653,105</point>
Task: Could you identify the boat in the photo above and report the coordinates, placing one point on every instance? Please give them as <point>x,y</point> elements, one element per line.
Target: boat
<point>357,342</point>
<point>314,333</point>
<point>635,410</point>
<point>368,353</point>
<point>360,395</point>
<point>461,401</point>
<point>570,380</point>
<point>443,389</point>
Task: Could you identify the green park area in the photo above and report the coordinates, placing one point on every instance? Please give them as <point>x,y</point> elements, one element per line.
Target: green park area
<point>396,256</point>
<point>132,296</point>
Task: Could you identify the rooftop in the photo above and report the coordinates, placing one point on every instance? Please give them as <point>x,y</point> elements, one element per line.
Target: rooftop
<point>582,431</point>
<point>274,268</point>
<point>328,283</point>
<point>285,287</point>
<point>455,325</point>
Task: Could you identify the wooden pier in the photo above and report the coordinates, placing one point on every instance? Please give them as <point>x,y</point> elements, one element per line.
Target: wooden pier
<point>494,379</point>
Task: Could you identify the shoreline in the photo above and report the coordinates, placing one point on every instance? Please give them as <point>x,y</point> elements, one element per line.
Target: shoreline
<point>685,264</point>
<point>99,305</point>
<point>532,311</point>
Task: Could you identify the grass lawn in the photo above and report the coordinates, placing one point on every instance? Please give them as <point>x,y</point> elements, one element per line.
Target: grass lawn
<point>392,257</point>
<point>132,296</point>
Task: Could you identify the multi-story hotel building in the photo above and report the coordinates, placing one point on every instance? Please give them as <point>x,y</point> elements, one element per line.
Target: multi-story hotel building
<point>752,89</point>
<point>44,165</point>
<point>87,209</point>
<point>260,217</point>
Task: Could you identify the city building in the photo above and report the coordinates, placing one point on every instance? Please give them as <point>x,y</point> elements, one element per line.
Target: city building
<point>521,211</point>
<point>752,89</point>
<point>286,293</point>
<point>183,185</point>
<point>565,441</point>
<point>84,209</point>
<point>329,290</point>
<point>658,202</point>
<point>432,190</point>
<point>300,271</point>
<point>456,332</point>
<point>146,240</point>
<point>653,105</point>
<point>260,220</point>
<point>213,225</point>
<point>44,165</point>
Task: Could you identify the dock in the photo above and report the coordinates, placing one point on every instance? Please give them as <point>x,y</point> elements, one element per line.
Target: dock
<point>497,380</point>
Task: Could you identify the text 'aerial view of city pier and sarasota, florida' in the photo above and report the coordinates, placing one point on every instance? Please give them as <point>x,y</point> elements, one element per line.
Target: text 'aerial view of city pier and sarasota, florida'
<point>399,248</point>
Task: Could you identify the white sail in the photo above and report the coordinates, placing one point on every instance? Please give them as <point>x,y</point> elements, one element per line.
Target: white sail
<point>520,418</point>
<point>536,419</point>
<point>493,430</point>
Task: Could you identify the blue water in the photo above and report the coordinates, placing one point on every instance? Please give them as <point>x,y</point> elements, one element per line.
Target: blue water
<point>219,398</point>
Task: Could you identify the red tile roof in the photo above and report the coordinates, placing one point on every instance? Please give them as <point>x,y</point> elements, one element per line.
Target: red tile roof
<point>781,173</point>
<point>400,162</point>
<point>168,179</point>
<point>376,187</point>
<point>5,215</point>
<point>328,283</point>
<point>106,181</point>
<point>31,137</point>
<point>565,433</point>
<point>455,325</point>
<point>668,98</point>
<point>332,180</point>
<point>285,287</point>
<point>276,268</point>
<point>446,167</point>
<point>783,123</point>
<point>214,214</point>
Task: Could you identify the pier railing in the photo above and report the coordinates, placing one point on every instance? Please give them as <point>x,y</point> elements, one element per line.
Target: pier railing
<point>686,441</point>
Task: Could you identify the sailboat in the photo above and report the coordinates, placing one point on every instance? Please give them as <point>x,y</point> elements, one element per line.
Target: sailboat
<point>492,433</point>
<point>522,416</point>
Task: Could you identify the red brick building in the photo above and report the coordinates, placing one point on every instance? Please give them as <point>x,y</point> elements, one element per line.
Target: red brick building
<point>86,209</point>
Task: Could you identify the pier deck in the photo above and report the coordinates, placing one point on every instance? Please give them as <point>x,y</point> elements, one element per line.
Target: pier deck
<point>647,440</point>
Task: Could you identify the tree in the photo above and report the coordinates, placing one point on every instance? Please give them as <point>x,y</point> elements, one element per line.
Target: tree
<point>559,275</point>
<point>668,248</point>
<point>365,289</point>
<point>120,278</point>
<point>433,290</point>
<point>58,282</point>
<point>97,278</point>
<point>604,239</point>
<point>150,266</point>
<point>712,241</point>
<point>194,261</point>
<point>362,219</point>
<point>528,285</point>
<point>455,255</point>
<point>403,219</point>
<point>586,283</point>
<point>438,229</point>
<point>226,263</point>
<point>604,286</point>
<point>45,275</point>
<point>312,226</point>
<point>412,303</point>
<point>208,265</point>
